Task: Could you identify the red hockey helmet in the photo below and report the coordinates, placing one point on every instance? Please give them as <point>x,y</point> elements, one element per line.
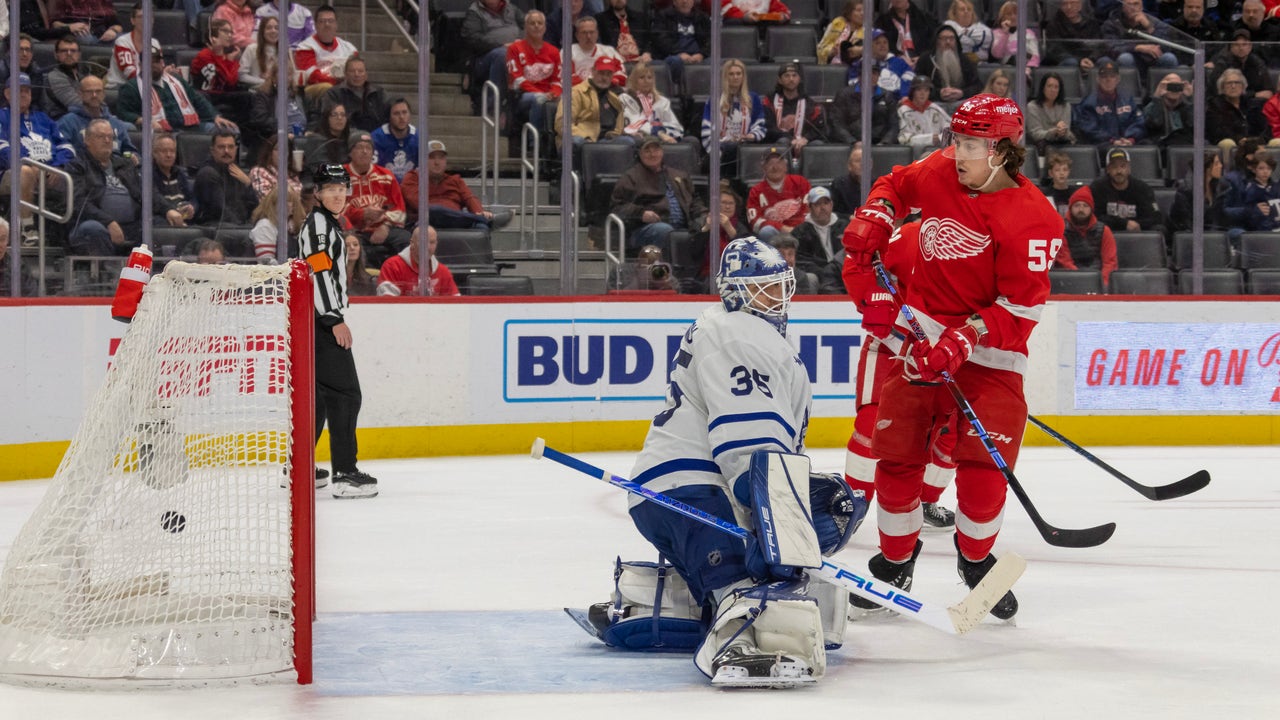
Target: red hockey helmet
<point>988,116</point>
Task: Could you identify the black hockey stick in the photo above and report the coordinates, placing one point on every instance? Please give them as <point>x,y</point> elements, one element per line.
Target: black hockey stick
<point>1061,537</point>
<point>1187,485</point>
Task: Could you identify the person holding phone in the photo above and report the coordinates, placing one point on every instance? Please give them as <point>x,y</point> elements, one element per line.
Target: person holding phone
<point>1169,116</point>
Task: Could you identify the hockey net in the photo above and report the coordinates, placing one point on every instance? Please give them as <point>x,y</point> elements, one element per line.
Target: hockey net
<point>175,541</point>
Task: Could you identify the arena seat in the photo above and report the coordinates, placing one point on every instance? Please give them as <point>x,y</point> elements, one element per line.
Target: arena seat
<point>1142,282</point>
<point>1075,282</point>
<point>1221,281</point>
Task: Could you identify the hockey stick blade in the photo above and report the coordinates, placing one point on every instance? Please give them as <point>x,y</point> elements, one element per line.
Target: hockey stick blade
<point>954,620</point>
<point>1187,485</point>
<point>1060,537</point>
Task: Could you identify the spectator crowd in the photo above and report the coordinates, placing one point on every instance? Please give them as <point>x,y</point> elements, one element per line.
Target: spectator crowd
<point>1109,109</point>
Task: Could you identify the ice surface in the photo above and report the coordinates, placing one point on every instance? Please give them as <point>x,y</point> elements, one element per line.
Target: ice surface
<point>441,599</point>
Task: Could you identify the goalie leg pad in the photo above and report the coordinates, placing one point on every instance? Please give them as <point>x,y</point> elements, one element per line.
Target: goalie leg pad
<point>779,485</point>
<point>765,636</point>
<point>651,609</point>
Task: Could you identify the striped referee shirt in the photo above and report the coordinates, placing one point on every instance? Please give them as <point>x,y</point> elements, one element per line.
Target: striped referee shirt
<point>322,245</point>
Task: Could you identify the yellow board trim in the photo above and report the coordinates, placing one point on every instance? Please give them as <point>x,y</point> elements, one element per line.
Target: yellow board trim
<point>40,460</point>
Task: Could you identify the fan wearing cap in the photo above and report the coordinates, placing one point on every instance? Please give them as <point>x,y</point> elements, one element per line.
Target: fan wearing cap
<point>948,67</point>
<point>452,203</point>
<point>41,141</point>
<point>892,72</point>
<point>987,240</point>
<point>1123,202</point>
<point>587,50</point>
<point>792,115</point>
<point>921,122</point>
<point>596,107</point>
<point>654,200</point>
<point>1139,53</point>
<point>754,11</point>
<point>533,70</point>
<point>820,251</point>
<point>1088,243</point>
<point>375,207</point>
<point>1108,115</point>
<point>777,203</point>
<point>175,105</point>
<point>1256,17</point>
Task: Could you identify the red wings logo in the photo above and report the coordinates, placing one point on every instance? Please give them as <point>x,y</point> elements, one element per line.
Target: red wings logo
<point>784,210</point>
<point>537,72</point>
<point>946,239</point>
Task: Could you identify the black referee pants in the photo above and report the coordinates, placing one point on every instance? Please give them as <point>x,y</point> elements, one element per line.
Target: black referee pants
<point>337,398</point>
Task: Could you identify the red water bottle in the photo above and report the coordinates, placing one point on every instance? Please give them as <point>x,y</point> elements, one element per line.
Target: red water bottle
<point>134,276</point>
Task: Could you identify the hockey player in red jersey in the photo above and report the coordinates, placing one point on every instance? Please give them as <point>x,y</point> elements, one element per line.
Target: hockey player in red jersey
<point>875,365</point>
<point>987,241</point>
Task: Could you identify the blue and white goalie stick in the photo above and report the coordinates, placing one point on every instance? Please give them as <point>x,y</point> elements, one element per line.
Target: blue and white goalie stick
<point>955,620</point>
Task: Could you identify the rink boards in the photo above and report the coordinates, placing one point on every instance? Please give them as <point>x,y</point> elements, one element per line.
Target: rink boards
<point>470,376</point>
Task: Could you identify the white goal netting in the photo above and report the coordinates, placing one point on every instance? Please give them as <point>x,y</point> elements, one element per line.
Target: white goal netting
<point>162,549</point>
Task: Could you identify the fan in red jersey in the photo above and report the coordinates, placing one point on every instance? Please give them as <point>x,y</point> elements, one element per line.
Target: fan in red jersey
<point>875,365</point>
<point>987,240</point>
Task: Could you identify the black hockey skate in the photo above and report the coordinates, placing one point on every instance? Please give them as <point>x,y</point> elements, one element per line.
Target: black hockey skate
<point>936,516</point>
<point>972,574</point>
<point>896,574</point>
<point>741,666</point>
<point>354,484</point>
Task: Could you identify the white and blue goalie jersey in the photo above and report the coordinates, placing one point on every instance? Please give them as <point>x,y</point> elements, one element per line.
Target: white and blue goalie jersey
<point>737,386</point>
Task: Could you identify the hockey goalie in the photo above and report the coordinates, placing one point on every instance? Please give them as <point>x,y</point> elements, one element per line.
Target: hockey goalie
<point>730,443</point>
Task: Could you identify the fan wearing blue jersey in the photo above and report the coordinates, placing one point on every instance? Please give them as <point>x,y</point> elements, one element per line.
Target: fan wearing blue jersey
<point>729,443</point>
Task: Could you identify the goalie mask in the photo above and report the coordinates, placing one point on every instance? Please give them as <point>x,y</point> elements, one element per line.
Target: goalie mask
<point>754,278</point>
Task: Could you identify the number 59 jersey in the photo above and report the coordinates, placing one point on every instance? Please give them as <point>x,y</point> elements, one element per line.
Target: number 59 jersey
<point>737,386</point>
<point>986,253</point>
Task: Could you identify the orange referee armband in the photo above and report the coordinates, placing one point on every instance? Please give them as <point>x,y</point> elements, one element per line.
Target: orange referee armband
<point>320,262</point>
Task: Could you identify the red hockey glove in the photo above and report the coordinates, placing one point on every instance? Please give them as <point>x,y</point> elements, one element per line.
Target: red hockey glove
<point>867,233</point>
<point>878,313</point>
<point>926,363</point>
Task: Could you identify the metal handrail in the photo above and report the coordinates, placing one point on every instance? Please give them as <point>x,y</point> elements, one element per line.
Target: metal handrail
<point>489,121</point>
<point>611,260</point>
<point>43,212</point>
<point>529,164</point>
<point>364,42</point>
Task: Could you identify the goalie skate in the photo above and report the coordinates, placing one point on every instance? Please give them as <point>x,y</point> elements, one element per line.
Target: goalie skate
<point>737,667</point>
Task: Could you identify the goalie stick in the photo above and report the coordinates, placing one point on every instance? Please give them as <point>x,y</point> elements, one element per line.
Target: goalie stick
<point>954,620</point>
<point>1187,485</point>
<point>1061,537</point>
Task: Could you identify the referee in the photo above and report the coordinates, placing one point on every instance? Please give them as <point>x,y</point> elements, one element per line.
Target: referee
<point>322,245</point>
